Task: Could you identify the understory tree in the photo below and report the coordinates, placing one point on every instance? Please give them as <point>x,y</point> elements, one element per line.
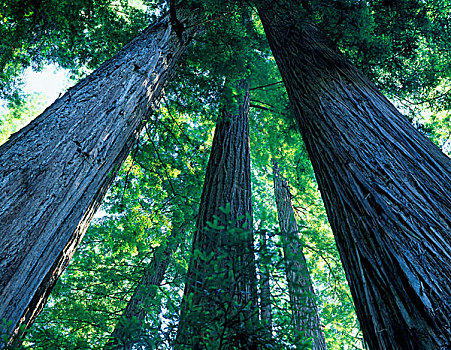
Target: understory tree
<point>305,318</point>
<point>131,325</point>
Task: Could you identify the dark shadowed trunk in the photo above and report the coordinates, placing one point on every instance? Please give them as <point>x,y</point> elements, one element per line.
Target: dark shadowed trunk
<point>306,322</point>
<point>265,287</point>
<point>386,189</point>
<point>220,299</point>
<point>129,329</point>
<point>55,171</point>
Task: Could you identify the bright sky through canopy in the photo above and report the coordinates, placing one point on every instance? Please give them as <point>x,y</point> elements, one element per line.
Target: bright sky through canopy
<point>42,88</point>
<point>51,81</point>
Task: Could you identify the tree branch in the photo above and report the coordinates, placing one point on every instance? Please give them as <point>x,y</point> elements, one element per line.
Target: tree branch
<point>265,86</point>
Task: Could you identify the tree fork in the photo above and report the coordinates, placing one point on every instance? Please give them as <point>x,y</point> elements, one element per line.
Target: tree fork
<point>386,188</point>
<point>176,24</point>
<point>56,171</point>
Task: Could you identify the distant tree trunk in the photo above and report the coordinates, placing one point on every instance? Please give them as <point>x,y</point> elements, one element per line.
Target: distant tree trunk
<point>55,171</point>
<point>220,298</point>
<point>265,287</point>
<point>306,322</point>
<point>385,186</point>
<point>128,330</point>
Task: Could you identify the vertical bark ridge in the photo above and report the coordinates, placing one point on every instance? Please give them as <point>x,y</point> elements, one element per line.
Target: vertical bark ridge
<point>220,298</point>
<point>306,321</point>
<point>265,287</point>
<point>385,187</point>
<point>56,170</point>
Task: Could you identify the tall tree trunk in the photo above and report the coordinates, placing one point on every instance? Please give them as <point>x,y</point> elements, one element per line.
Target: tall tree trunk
<point>56,170</point>
<point>265,287</point>
<point>385,186</point>
<point>128,330</point>
<point>220,298</point>
<point>306,322</point>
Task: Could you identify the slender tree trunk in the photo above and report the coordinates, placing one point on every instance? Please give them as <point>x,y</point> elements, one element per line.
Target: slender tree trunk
<point>220,298</point>
<point>56,170</point>
<point>265,287</point>
<point>128,330</point>
<point>306,322</point>
<point>386,189</point>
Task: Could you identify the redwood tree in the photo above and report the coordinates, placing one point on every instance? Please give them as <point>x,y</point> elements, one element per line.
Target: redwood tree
<point>220,297</point>
<point>265,286</point>
<point>305,318</point>
<point>129,329</point>
<point>384,185</point>
<point>56,170</point>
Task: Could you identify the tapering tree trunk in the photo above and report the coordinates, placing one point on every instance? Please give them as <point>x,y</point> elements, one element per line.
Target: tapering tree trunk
<point>220,298</point>
<point>55,172</point>
<point>265,287</point>
<point>386,189</point>
<point>306,322</point>
<point>128,331</point>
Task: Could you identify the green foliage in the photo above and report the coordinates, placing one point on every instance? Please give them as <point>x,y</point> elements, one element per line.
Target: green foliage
<point>15,345</point>
<point>74,34</point>
<point>17,115</point>
<point>217,310</point>
<point>157,188</point>
<point>334,300</point>
<point>221,58</point>
<point>413,44</point>
<point>438,128</point>
<point>403,46</point>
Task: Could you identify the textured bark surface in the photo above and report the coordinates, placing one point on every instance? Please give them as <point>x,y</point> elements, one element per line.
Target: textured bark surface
<point>306,322</point>
<point>56,170</point>
<point>265,287</point>
<point>144,295</point>
<point>386,189</point>
<point>225,268</point>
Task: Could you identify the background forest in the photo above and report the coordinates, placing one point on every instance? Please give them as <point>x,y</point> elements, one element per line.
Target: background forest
<point>148,218</point>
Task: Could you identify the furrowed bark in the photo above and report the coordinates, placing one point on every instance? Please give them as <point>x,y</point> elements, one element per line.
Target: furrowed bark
<point>385,186</point>
<point>220,298</point>
<point>265,287</point>
<point>306,322</point>
<point>144,296</point>
<point>56,170</point>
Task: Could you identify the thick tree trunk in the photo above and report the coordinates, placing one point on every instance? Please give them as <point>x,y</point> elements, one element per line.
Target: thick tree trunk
<point>56,170</point>
<point>265,287</point>
<point>128,330</point>
<point>220,299</point>
<point>306,322</point>
<point>386,189</point>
